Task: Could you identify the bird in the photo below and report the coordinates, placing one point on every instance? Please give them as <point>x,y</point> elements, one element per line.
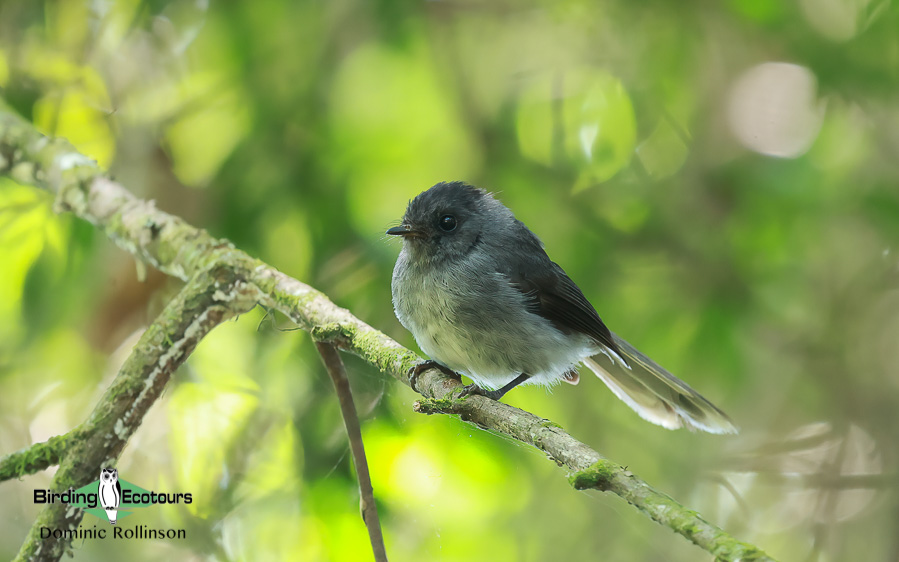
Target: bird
<point>482,298</point>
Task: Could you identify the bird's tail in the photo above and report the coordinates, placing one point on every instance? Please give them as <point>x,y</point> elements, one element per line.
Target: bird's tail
<point>654,393</point>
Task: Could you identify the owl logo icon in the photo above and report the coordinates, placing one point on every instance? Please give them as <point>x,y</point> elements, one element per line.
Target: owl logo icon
<point>110,492</point>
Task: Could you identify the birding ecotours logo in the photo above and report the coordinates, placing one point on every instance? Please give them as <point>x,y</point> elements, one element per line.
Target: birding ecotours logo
<point>105,497</point>
<point>110,497</point>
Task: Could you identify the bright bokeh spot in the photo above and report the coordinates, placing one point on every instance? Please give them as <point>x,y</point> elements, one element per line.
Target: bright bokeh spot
<point>774,110</point>
<point>838,20</point>
<point>437,463</point>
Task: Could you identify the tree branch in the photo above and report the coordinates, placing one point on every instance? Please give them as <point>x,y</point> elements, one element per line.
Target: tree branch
<point>178,249</point>
<point>200,306</point>
<point>37,457</point>
<point>331,359</point>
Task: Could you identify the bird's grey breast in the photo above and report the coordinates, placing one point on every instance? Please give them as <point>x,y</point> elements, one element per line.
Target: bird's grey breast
<point>464,314</point>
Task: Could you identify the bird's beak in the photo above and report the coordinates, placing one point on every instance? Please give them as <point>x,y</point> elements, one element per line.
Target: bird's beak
<point>406,231</point>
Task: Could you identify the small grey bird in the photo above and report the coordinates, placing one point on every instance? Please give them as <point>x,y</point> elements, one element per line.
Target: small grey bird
<point>476,289</point>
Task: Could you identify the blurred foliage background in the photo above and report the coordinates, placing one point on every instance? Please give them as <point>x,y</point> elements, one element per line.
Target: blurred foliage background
<point>719,178</point>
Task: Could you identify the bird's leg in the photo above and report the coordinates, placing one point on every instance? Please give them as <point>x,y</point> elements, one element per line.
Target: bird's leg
<point>417,370</point>
<point>494,394</point>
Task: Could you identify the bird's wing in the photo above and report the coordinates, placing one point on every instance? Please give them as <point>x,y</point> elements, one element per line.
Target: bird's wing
<point>552,294</point>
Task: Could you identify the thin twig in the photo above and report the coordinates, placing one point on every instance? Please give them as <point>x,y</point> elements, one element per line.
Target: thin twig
<point>334,365</point>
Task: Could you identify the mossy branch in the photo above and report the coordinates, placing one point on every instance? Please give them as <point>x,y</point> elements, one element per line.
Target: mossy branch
<point>211,298</point>
<point>37,457</point>
<point>607,476</point>
<point>178,249</point>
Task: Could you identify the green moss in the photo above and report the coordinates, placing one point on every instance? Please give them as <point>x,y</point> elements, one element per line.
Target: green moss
<point>433,405</point>
<point>37,457</point>
<point>370,345</point>
<point>327,332</point>
<point>599,476</point>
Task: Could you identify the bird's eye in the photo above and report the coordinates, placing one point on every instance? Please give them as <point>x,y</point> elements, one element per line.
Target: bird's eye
<point>447,223</point>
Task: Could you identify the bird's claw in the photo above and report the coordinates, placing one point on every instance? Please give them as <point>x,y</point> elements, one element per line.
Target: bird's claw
<point>420,368</point>
<point>472,389</point>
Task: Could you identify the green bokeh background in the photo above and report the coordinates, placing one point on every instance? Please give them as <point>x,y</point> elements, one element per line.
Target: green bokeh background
<point>721,179</point>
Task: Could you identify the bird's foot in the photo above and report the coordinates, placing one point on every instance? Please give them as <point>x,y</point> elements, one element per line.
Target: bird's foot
<point>417,370</point>
<point>472,389</point>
